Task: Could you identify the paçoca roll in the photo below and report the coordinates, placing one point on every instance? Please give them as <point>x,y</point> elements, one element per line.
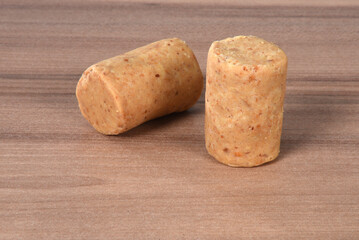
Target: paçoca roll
<point>122,92</point>
<point>245,88</point>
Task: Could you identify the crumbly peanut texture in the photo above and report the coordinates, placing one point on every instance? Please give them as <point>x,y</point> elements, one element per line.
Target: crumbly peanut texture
<point>245,88</point>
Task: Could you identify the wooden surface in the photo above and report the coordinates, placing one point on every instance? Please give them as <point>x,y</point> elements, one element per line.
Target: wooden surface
<point>60,179</point>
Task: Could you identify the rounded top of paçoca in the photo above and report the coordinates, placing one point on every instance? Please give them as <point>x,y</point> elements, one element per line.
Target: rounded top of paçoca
<point>248,50</point>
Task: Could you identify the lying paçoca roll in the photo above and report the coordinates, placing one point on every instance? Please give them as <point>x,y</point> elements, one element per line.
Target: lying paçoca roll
<point>245,87</point>
<point>122,92</point>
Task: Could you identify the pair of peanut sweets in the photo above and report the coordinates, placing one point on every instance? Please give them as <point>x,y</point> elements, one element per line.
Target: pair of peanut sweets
<point>245,87</point>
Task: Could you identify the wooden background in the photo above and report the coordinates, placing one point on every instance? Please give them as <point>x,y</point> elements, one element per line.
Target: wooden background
<point>60,179</point>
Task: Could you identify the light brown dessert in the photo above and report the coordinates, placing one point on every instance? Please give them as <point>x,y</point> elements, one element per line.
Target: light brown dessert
<point>246,78</point>
<point>122,92</point>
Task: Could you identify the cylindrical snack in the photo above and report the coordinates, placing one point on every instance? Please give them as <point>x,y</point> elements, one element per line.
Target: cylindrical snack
<point>245,87</point>
<point>122,92</point>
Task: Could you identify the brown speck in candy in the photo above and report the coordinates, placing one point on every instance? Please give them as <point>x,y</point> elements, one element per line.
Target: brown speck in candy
<point>225,149</point>
<point>255,68</point>
<point>247,152</point>
<point>178,53</point>
<point>182,49</point>
<point>245,68</point>
<point>176,93</point>
<point>142,75</point>
<point>251,78</point>
<point>126,60</point>
<point>263,155</point>
<point>169,44</point>
<point>237,154</point>
<point>250,48</point>
<point>96,122</point>
<point>222,136</point>
<point>157,75</point>
<point>218,60</point>
<point>246,103</point>
<point>258,126</point>
<point>155,100</point>
<point>224,76</point>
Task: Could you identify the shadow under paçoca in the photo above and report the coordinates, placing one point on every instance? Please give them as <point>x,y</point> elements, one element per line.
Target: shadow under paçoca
<point>157,125</point>
<point>311,117</point>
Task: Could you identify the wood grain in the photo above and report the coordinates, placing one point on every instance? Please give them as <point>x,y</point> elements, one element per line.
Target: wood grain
<point>60,179</point>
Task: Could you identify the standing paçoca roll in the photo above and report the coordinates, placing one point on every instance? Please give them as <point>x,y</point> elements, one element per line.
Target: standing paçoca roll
<point>245,89</point>
<point>122,92</point>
